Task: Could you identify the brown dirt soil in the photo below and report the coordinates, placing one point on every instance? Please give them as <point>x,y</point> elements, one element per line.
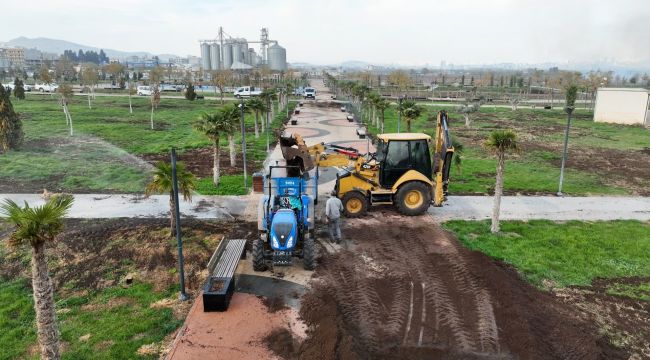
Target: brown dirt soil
<point>273,304</point>
<point>410,291</point>
<point>628,169</point>
<point>625,320</point>
<point>199,162</point>
<point>281,342</point>
<point>93,254</point>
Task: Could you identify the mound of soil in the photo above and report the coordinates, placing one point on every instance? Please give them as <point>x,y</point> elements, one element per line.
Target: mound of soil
<point>273,304</point>
<point>408,290</point>
<point>281,342</point>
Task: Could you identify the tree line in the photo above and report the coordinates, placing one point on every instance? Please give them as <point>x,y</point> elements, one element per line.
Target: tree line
<point>88,56</point>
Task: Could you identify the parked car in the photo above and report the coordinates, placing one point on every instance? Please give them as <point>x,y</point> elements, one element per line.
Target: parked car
<point>343,108</point>
<point>28,87</point>
<point>46,87</point>
<point>350,118</point>
<point>247,91</point>
<point>310,93</point>
<point>144,91</point>
<point>299,91</point>
<point>9,86</point>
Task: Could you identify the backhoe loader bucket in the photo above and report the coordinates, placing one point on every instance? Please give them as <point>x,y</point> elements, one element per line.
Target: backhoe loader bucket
<point>295,152</point>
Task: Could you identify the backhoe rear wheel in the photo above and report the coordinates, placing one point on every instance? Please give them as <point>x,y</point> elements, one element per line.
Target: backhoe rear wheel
<point>258,255</point>
<point>355,204</point>
<point>413,198</point>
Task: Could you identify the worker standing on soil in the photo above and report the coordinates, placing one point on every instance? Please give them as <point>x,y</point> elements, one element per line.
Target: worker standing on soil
<point>333,209</point>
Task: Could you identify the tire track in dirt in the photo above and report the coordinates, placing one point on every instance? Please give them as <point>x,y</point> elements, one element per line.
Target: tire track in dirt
<point>408,290</point>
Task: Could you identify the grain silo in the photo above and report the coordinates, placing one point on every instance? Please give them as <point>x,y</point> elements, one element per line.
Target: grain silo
<point>237,53</point>
<point>277,57</point>
<point>215,57</point>
<point>205,56</point>
<point>252,57</point>
<point>227,55</point>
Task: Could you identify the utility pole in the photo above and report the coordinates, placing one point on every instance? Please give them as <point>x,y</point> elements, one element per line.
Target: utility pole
<point>570,106</point>
<point>243,141</point>
<point>181,263</point>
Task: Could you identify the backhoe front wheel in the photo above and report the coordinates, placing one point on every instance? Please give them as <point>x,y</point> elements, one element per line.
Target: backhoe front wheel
<point>355,204</point>
<point>413,198</point>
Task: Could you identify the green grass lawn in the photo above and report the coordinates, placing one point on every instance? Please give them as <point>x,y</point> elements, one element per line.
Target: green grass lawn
<point>535,169</point>
<point>96,158</point>
<point>566,253</point>
<point>103,315</point>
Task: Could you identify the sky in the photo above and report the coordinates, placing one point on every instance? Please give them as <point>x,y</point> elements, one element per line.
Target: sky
<point>414,32</point>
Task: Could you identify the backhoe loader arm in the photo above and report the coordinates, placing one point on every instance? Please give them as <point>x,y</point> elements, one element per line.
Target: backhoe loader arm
<point>296,152</point>
<point>444,151</point>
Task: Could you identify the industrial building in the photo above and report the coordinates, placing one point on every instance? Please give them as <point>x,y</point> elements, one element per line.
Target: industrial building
<point>226,52</point>
<point>623,106</point>
<point>12,57</point>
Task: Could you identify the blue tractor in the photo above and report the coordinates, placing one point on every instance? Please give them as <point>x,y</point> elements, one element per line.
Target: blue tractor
<point>286,219</point>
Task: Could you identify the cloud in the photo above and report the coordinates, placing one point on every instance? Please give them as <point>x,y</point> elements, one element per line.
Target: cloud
<point>381,31</point>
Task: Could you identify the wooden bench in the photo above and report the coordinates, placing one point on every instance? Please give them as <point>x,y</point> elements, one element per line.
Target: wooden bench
<point>220,285</point>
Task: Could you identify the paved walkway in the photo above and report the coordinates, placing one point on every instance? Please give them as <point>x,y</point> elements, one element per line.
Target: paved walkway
<point>545,207</point>
<point>90,206</point>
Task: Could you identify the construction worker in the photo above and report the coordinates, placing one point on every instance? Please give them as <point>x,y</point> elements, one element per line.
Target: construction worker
<point>333,209</point>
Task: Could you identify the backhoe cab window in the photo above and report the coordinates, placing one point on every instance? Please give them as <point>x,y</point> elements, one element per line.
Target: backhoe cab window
<point>398,155</point>
<point>381,151</point>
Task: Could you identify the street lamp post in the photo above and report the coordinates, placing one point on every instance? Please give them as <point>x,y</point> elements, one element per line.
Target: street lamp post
<point>243,141</point>
<point>181,263</point>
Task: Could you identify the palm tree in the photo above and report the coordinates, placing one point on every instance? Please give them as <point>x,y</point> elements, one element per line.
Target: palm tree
<point>214,126</point>
<point>268,96</point>
<point>410,111</point>
<point>257,105</point>
<point>381,105</point>
<point>37,226</point>
<point>231,114</point>
<point>162,183</point>
<point>500,142</point>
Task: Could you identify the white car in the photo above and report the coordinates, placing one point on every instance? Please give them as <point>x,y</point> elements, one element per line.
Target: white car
<point>46,87</point>
<point>28,87</point>
<point>144,91</point>
<point>9,86</point>
<point>310,93</point>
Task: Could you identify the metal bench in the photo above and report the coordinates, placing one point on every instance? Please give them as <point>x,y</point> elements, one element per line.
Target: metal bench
<point>220,285</point>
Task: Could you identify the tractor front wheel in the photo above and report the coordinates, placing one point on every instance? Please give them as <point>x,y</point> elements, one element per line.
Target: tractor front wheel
<point>258,255</point>
<point>309,254</point>
<point>413,198</point>
<point>355,204</point>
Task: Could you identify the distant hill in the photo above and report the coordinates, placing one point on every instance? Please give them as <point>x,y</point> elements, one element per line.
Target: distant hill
<point>58,46</point>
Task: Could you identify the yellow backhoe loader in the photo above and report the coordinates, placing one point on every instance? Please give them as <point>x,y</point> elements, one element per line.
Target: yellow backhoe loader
<point>399,173</point>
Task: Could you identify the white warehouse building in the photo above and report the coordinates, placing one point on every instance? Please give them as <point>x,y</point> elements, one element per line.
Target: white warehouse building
<point>629,106</point>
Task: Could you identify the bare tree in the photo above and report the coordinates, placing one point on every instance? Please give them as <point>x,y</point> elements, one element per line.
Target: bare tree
<point>220,79</point>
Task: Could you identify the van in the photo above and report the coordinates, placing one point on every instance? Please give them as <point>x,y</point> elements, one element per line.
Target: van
<point>310,93</point>
<point>144,91</point>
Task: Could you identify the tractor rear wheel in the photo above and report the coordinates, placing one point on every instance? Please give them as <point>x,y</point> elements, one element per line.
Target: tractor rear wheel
<point>258,255</point>
<point>308,254</point>
<point>413,198</point>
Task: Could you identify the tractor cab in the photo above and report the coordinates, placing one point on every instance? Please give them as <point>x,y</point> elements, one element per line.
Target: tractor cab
<point>399,153</point>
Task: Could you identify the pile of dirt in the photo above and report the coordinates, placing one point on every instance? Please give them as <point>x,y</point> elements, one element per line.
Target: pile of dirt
<point>408,290</point>
<point>93,254</point>
<point>281,342</point>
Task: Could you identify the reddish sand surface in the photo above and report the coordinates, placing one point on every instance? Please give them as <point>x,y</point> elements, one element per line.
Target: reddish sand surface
<point>234,334</point>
